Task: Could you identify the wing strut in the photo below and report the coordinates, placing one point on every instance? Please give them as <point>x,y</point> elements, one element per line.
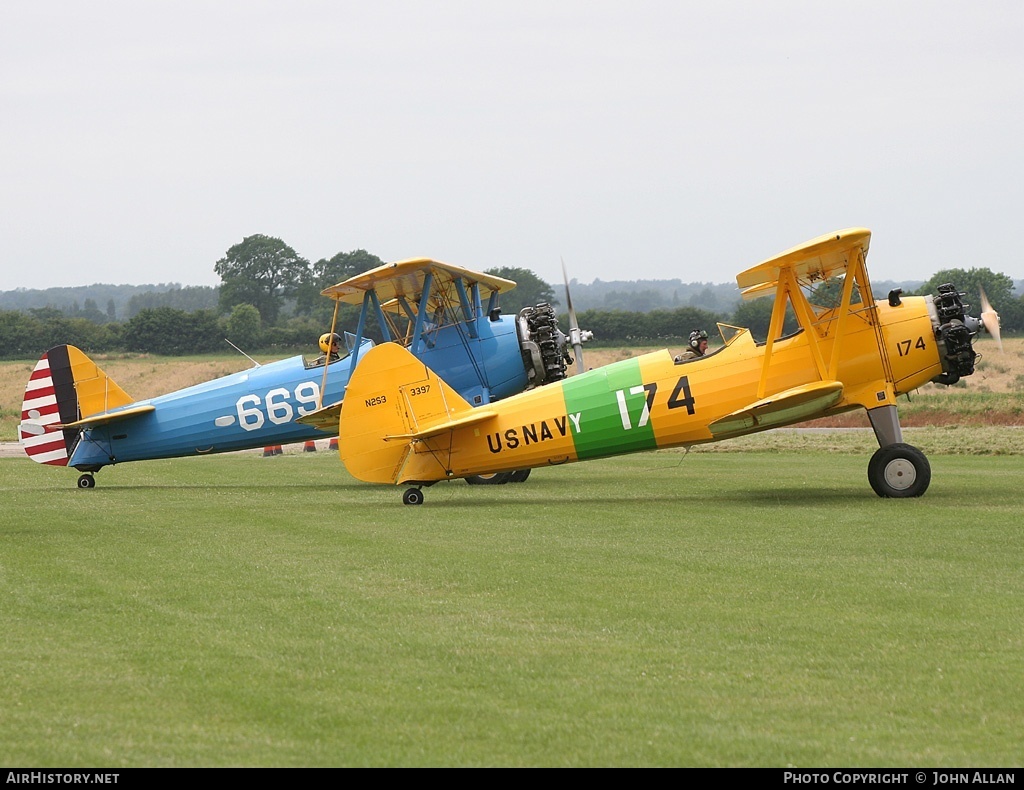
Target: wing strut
<point>788,292</point>
<point>421,314</point>
<point>467,312</point>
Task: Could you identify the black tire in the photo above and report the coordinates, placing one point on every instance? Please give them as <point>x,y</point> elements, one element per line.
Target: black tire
<point>86,481</point>
<point>412,496</point>
<point>899,471</point>
<point>519,476</point>
<point>493,479</point>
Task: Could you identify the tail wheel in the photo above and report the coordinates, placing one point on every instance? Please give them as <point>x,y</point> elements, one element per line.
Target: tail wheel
<point>86,481</point>
<point>899,471</point>
<point>493,479</point>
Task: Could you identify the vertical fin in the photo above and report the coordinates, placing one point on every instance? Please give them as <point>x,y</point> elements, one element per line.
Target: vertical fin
<point>391,396</point>
<point>97,392</point>
<point>64,387</point>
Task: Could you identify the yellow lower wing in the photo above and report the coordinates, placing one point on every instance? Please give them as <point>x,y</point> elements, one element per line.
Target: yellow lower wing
<point>783,408</point>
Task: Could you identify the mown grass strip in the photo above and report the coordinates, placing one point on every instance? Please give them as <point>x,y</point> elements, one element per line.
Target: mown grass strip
<point>662,609</point>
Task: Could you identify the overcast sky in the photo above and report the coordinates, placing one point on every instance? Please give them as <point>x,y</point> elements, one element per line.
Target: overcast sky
<point>139,140</point>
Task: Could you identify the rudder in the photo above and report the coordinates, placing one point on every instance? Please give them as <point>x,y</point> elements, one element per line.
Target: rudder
<point>391,397</point>
<point>64,387</point>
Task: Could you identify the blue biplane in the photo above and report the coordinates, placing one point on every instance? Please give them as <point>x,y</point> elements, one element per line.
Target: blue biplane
<point>75,415</point>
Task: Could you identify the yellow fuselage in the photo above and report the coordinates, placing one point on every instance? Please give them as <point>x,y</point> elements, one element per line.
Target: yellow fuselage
<point>650,402</point>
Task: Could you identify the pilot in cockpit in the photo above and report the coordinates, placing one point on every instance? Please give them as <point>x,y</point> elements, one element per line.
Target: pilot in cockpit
<point>697,347</point>
<point>329,343</point>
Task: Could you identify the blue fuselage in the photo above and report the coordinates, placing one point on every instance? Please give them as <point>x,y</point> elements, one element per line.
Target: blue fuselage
<point>259,407</point>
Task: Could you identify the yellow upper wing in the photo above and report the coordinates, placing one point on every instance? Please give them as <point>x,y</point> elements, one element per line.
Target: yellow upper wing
<point>406,279</point>
<point>815,260</point>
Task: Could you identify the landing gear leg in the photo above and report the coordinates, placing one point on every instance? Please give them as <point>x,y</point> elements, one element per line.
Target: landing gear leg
<point>896,469</point>
<point>885,421</point>
<point>86,481</point>
<point>413,496</point>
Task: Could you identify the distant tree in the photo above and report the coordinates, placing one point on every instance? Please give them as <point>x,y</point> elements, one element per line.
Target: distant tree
<point>608,326</point>
<point>88,334</point>
<point>21,335</point>
<point>998,287</point>
<point>636,301</point>
<point>326,273</point>
<point>46,313</point>
<point>190,298</point>
<point>206,333</point>
<point>164,330</point>
<point>529,290</point>
<point>671,326</point>
<point>300,333</point>
<point>647,295</point>
<point>26,336</point>
<point>91,312</point>
<point>1011,317</point>
<point>706,299</point>
<point>243,326</point>
<point>344,265</point>
<point>667,327</point>
<point>262,271</point>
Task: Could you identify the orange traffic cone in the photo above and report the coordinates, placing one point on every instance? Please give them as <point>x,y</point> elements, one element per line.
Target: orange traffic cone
<point>334,444</point>
<point>278,450</point>
<point>268,451</point>
<point>310,447</point>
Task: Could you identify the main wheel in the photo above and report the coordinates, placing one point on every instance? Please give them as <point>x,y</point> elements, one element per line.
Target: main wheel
<point>899,470</point>
<point>519,476</point>
<point>412,496</point>
<point>86,481</point>
<point>493,479</point>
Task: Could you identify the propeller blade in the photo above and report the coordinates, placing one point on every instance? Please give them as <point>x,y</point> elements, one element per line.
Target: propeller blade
<point>574,328</point>
<point>990,319</point>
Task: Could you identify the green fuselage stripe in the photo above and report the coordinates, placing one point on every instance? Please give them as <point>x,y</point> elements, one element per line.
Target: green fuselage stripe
<point>612,416</point>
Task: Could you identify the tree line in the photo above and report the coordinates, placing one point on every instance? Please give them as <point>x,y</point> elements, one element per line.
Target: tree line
<point>269,300</point>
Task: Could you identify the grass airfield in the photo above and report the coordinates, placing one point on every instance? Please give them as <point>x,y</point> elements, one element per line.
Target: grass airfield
<point>746,604</point>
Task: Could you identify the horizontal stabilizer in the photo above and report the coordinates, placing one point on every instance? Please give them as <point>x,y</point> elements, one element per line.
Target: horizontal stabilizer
<point>784,408</point>
<point>475,416</point>
<point>394,401</point>
<point>108,416</point>
<point>324,419</point>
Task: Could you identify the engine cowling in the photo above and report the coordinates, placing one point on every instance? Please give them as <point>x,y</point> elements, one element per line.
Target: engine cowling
<point>544,346</point>
<point>955,331</point>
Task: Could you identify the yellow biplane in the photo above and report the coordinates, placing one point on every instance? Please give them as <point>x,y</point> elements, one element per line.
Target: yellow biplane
<point>402,424</point>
